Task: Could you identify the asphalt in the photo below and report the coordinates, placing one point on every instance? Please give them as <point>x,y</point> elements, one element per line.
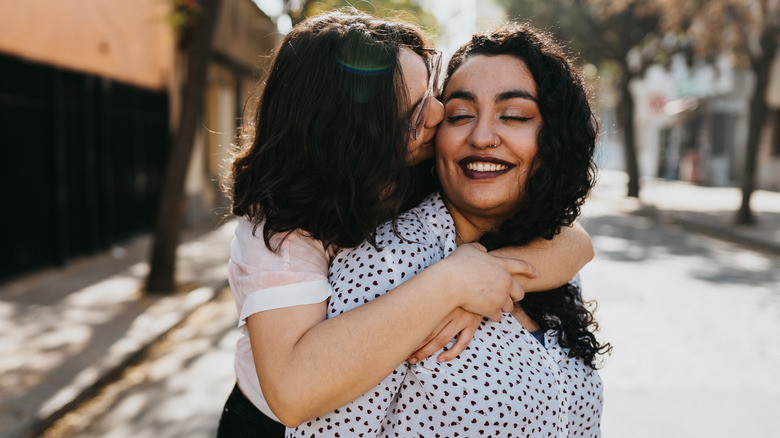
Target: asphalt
<point>67,332</point>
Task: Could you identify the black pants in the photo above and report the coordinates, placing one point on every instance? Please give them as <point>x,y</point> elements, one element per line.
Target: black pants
<point>240,418</point>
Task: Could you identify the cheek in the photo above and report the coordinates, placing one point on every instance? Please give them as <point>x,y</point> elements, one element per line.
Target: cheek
<point>442,139</point>
<point>445,159</point>
<point>448,138</point>
<point>526,146</point>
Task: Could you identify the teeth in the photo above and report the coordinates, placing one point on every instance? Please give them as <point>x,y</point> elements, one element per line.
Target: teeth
<point>485,167</point>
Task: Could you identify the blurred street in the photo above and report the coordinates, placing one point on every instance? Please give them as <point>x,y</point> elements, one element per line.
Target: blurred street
<point>695,325</point>
<point>694,321</point>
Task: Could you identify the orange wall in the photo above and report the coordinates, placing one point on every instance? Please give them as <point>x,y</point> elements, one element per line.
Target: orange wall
<point>127,40</point>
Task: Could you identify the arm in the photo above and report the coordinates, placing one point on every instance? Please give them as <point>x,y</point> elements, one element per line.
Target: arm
<point>557,261</point>
<point>308,365</point>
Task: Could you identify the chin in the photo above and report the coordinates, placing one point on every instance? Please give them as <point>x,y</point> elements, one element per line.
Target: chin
<point>497,210</point>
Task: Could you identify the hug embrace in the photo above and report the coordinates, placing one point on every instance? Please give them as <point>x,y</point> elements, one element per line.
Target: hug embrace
<point>406,258</point>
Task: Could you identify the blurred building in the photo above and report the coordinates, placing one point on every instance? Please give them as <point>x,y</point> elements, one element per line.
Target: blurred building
<point>692,123</point>
<point>89,93</point>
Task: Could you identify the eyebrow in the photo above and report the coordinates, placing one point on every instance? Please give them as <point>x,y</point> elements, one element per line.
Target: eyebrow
<point>515,94</point>
<point>506,95</point>
<point>460,94</point>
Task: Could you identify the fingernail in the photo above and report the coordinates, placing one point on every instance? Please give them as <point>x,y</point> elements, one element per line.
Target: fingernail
<point>413,360</point>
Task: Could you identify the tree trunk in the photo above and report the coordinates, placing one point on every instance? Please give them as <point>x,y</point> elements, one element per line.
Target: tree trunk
<point>170,212</point>
<point>626,120</point>
<point>760,65</point>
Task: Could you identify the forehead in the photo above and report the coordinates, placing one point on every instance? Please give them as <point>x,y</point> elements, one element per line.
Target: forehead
<point>485,75</point>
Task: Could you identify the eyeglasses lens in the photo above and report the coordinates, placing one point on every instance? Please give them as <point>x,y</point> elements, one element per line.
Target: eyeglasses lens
<point>433,88</point>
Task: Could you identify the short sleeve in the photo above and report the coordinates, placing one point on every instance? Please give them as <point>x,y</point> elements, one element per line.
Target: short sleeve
<point>262,279</point>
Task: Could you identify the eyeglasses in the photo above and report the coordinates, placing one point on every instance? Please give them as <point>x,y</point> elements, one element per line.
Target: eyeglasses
<point>418,119</point>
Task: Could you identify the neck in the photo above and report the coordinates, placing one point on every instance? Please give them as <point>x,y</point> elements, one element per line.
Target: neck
<point>469,228</point>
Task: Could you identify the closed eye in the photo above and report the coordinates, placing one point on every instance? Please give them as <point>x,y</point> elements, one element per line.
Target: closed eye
<point>516,118</point>
<point>458,118</point>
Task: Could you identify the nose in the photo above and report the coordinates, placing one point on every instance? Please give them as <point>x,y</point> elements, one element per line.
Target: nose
<point>435,113</point>
<point>482,136</point>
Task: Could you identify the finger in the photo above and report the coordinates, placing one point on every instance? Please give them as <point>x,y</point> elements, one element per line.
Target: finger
<point>437,343</point>
<point>516,266</point>
<point>464,337</point>
<point>517,292</point>
<point>508,306</point>
<point>431,336</point>
<point>497,315</point>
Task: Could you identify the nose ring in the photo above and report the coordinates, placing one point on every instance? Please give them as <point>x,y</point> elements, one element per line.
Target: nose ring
<point>494,144</point>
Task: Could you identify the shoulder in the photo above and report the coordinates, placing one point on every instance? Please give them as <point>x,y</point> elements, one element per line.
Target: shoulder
<point>261,279</point>
<point>417,230</point>
<point>296,248</point>
<point>429,218</point>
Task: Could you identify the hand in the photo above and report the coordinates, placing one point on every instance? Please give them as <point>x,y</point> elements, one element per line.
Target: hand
<point>460,323</point>
<point>484,281</point>
<point>556,260</point>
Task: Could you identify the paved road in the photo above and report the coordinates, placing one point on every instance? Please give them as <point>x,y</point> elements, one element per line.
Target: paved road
<point>695,324</point>
<point>177,391</point>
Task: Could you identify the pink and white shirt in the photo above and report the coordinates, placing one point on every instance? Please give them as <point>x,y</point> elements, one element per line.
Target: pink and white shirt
<point>505,384</point>
<point>261,279</point>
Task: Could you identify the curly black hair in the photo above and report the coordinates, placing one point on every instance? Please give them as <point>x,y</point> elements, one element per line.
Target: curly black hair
<point>563,172</point>
<point>325,150</point>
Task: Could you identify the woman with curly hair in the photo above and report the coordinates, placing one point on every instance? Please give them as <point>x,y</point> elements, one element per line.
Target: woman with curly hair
<point>514,157</point>
<point>349,102</point>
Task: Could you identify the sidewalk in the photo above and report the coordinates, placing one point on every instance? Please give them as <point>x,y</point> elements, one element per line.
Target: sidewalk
<point>66,332</point>
<point>706,210</point>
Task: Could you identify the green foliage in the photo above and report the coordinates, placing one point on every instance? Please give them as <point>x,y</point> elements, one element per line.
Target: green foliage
<point>598,31</point>
<point>748,29</point>
<point>607,30</point>
<point>410,11</point>
<point>183,19</point>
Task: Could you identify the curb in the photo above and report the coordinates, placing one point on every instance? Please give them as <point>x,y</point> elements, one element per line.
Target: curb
<point>719,231</point>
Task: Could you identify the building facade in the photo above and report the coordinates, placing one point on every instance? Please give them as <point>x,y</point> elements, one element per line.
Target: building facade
<point>692,124</point>
<point>89,94</point>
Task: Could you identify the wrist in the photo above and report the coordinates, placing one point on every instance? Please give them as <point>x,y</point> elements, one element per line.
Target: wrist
<point>443,277</point>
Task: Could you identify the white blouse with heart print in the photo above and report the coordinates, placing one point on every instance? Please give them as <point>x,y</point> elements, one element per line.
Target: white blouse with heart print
<point>505,384</point>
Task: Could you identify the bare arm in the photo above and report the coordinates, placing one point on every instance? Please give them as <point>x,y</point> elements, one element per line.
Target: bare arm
<point>556,260</point>
<point>308,365</point>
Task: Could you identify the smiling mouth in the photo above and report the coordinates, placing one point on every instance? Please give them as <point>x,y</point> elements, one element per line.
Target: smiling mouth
<point>484,167</point>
